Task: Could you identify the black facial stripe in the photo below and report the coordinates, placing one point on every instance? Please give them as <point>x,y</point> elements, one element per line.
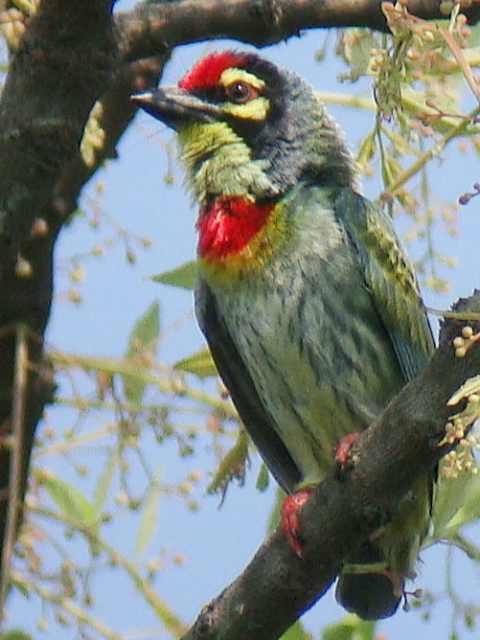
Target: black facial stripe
<point>255,133</point>
<point>245,128</point>
<point>215,95</point>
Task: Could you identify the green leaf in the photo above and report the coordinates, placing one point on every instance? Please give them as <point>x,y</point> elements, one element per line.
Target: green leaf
<point>69,500</point>
<point>457,504</point>
<point>337,632</point>
<point>200,364</point>
<point>366,151</point>
<point>145,331</point>
<point>105,482</point>
<point>350,628</point>
<point>232,465</point>
<point>141,345</point>
<point>356,49</point>
<point>149,517</point>
<point>274,518</point>
<point>113,366</point>
<point>263,479</point>
<point>21,587</point>
<point>296,632</point>
<point>448,500</point>
<point>15,634</point>
<point>184,276</point>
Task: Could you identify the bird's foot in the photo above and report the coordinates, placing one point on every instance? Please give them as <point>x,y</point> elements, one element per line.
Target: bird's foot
<point>343,454</point>
<point>397,580</point>
<point>291,507</point>
<point>417,594</point>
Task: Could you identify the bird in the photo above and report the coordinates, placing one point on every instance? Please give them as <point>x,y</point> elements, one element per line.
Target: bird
<point>310,308</point>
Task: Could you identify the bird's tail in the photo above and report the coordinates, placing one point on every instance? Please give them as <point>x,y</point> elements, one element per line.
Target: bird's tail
<point>370,595</point>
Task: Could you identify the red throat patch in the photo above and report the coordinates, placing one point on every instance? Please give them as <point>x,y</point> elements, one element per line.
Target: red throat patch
<point>228,225</point>
<point>206,73</point>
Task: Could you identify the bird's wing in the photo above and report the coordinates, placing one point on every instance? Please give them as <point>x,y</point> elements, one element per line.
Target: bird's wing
<point>237,379</point>
<point>393,286</point>
<point>390,278</point>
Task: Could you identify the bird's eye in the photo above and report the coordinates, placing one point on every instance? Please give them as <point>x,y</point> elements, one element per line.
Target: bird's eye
<point>240,92</point>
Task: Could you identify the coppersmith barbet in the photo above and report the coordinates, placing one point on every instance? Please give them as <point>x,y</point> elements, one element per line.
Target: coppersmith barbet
<point>311,310</point>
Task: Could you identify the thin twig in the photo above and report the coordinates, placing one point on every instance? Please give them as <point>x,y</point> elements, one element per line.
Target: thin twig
<point>84,404</point>
<point>431,153</point>
<point>174,385</point>
<point>454,315</point>
<point>168,617</point>
<point>462,62</point>
<point>346,100</point>
<point>470,549</point>
<point>67,604</point>
<point>16,455</point>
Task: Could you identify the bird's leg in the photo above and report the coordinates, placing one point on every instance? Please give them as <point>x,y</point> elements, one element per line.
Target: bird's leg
<point>342,451</point>
<point>398,582</point>
<point>418,594</point>
<point>291,507</point>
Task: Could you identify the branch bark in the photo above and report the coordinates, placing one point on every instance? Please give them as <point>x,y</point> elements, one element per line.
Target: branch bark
<point>64,59</point>
<point>277,587</point>
<point>116,113</point>
<point>155,28</point>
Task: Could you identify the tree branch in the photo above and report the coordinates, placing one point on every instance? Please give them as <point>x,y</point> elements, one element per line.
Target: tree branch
<point>277,587</point>
<point>64,59</point>
<point>155,28</point>
<point>16,452</point>
<point>116,111</point>
<point>67,59</point>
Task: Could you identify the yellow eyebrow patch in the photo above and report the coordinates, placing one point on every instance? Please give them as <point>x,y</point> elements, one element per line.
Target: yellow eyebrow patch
<point>229,76</point>
<point>256,109</point>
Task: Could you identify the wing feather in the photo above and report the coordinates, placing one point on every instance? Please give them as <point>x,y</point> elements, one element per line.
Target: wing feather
<point>391,280</point>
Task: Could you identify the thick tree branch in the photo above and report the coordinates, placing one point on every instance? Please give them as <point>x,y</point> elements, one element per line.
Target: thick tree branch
<point>60,68</point>
<point>403,443</point>
<point>157,28</point>
<point>115,114</point>
<point>67,59</point>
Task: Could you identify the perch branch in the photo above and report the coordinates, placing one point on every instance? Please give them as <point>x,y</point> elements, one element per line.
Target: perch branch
<point>158,27</point>
<point>277,587</point>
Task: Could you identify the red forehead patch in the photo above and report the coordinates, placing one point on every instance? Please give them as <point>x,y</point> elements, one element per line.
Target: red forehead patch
<point>206,73</point>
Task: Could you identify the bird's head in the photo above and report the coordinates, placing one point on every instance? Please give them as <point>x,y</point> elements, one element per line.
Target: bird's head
<point>249,128</point>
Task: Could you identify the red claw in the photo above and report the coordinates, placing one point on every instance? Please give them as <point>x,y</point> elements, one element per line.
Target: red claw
<point>291,507</point>
<point>342,450</point>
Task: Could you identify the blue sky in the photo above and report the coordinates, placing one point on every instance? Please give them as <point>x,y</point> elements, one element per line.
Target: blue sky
<point>217,543</point>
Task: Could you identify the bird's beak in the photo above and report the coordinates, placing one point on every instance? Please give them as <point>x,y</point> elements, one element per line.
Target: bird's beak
<point>176,107</point>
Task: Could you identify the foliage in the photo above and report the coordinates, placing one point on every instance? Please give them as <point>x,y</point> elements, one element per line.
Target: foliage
<point>200,364</point>
<point>183,276</point>
<point>350,628</point>
<point>418,89</point>
<point>141,349</point>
